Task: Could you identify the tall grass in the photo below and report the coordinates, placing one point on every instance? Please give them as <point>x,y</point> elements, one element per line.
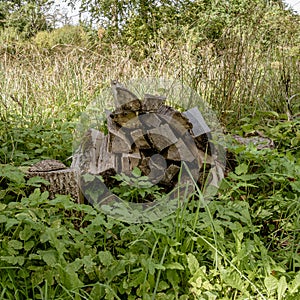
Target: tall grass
<point>248,68</point>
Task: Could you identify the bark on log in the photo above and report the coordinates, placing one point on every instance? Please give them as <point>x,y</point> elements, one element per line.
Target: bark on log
<point>61,181</point>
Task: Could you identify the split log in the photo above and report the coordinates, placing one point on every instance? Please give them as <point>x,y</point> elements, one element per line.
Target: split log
<point>179,151</point>
<point>124,99</point>
<point>139,139</point>
<point>88,152</point>
<point>152,103</point>
<point>150,120</point>
<point>161,137</point>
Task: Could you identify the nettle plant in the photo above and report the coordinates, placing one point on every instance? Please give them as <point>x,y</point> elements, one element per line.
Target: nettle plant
<point>136,188</point>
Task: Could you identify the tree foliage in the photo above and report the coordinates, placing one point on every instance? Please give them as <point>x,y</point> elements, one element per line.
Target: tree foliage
<point>26,17</point>
<point>141,21</point>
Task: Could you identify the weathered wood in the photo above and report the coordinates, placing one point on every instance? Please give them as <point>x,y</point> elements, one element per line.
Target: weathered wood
<point>169,175</point>
<point>107,160</point>
<point>86,156</point>
<point>144,165</point>
<point>126,119</point>
<point>118,144</point>
<point>139,139</point>
<point>118,140</point>
<point>176,120</point>
<point>260,142</point>
<point>152,103</point>
<point>124,99</point>
<point>47,165</point>
<point>158,165</point>
<point>179,152</point>
<point>162,137</point>
<point>204,143</point>
<point>150,120</point>
<point>129,162</point>
<point>199,125</point>
<point>62,182</point>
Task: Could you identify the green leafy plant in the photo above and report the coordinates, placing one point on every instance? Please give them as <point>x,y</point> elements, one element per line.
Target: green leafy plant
<point>136,188</point>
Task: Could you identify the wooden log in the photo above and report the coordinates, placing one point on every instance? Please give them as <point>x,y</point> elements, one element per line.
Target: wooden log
<point>152,103</point>
<point>150,120</point>
<point>61,181</point>
<point>86,156</point>
<point>107,161</point>
<point>117,136</point>
<point>158,165</point>
<point>118,144</point>
<point>127,119</point>
<point>139,139</point>
<point>162,137</point>
<point>124,99</point>
<point>144,165</point>
<point>177,121</point>
<point>199,126</point>
<point>169,175</point>
<point>129,162</point>
<point>180,152</point>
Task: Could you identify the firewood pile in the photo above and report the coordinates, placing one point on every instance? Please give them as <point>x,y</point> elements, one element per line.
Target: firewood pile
<point>148,134</point>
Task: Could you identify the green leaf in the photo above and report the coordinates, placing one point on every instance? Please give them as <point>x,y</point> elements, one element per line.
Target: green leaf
<point>2,206</point>
<point>3,219</point>
<point>17,245</point>
<point>173,278</point>
<point>174,266</point>
<point>241,169</point>
<point>37,181</point>
<point>106,258</point>
<point>49,257</point>
<point>295,284</point>
<point>10,223</point>
<point>193,263</point>
<point>69,278</point>
<point>282,287</point>
<point>13,260</point>
<point>136,172</point>
<point>26,233</point>
<point>98,291</point>
<point>88,264</point>
<point>29,245</point>
<point>271,283</point>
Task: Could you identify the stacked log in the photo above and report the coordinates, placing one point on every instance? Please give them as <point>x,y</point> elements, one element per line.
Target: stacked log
<point>148,134</point>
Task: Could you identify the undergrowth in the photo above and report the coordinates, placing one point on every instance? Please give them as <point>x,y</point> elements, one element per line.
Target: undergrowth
<point>242,245</point>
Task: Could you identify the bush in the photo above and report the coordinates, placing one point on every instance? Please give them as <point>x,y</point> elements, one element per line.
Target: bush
<point>66,35</point>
